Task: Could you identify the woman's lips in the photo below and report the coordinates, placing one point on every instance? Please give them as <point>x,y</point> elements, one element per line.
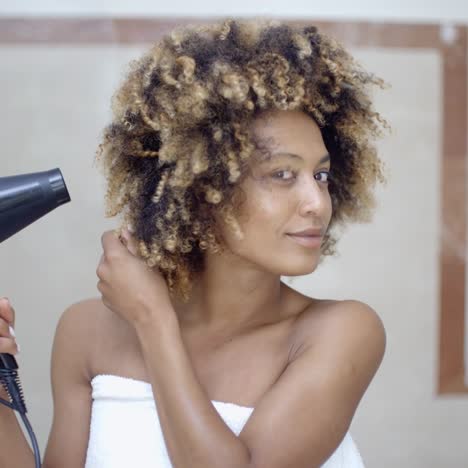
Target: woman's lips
<point>307,241</point>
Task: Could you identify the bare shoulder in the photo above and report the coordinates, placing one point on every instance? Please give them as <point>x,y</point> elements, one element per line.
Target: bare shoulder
<point>84,315</point>
<point>329,313</point>
<point>81,325</point>
<point>342,324</point>
<point>78,315</point>
<point>72,356</point>
<point>305,415</point>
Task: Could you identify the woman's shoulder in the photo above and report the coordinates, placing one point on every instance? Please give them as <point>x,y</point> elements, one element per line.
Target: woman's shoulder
<point>94,329</point>
<point>325,310</point>
<point>329,320</point>
<point>86,316</point>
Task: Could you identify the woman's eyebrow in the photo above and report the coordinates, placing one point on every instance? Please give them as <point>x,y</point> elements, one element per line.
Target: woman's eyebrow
<point>296,156</point>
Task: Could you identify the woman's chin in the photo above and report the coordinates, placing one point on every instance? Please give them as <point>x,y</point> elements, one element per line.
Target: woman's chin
<point>300,270</point>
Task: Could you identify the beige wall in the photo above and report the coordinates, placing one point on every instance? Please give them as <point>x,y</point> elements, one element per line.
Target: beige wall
<point>58,101</point>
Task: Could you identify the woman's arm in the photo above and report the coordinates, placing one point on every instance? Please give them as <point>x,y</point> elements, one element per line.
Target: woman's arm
<point>195,434</point>
<point>299,422</point>
<point>67,442</point>
<point>71,391</point>
<point>304,417</point>
<point>14,448</point>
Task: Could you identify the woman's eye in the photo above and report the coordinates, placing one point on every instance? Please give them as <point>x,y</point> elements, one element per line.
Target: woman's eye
<point>327,174</point>
<point>287,175</point>
<point>284,175</point>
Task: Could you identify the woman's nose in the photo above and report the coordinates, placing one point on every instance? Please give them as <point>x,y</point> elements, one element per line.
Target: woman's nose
<point>314,197</point>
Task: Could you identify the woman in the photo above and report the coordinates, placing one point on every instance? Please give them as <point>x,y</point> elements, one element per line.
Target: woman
<point>235,150</point>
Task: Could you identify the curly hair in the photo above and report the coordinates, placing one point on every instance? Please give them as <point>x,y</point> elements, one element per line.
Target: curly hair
<point>180,140</point>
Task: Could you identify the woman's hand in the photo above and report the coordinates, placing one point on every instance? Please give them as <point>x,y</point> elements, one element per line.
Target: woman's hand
<point>128,286</point>
<point>8,342</point>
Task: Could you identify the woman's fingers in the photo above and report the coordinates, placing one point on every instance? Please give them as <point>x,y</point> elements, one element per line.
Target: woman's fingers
<point>8,345</point>
<point>8,342</point>
<point>129,241</point>
<point>5,329</point>
<point>7,312</point>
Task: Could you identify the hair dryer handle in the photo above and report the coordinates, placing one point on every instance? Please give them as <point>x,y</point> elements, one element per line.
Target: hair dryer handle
<point>8,361</point>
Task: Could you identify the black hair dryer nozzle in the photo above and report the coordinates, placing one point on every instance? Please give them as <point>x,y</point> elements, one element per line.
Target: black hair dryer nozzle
<point>25,198</point>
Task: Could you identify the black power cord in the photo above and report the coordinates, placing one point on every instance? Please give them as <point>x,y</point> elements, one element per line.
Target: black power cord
<point>10,380</point>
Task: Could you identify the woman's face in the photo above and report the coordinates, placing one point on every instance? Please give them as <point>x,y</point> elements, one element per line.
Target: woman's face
<point>284,194</point>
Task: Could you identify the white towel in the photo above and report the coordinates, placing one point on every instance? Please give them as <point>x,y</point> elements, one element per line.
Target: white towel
<point>125,430</point>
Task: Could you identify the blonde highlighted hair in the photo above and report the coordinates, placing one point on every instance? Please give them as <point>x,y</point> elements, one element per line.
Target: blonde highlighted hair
<point>180,140</point>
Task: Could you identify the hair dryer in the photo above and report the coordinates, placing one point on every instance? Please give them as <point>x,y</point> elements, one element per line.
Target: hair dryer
<point>25,198</point>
